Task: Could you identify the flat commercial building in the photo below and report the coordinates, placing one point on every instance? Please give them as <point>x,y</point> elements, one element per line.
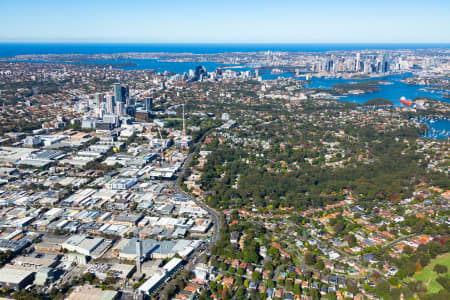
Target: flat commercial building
<point>129,250</point>
<point>86,245</point>
<point>15,279</point>
<point>12,245</point>
<point>152,284</point>
<point>79,197</point>
<point>11,155</point>
<point>33,264</point>
<point>48,248</point>
<point>44,276</point>
<point>114,229</point>
<point>128,218</point>
<point>122,183</point>
<point>88,292</point>
<point>159,249</point>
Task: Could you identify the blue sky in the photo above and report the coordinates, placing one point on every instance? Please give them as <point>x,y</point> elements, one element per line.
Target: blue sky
<point>191,21</point>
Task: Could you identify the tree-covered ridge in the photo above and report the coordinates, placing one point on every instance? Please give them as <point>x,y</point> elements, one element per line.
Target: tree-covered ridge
<point>389,176</point>
<point>378,102</point>
<point>306,155</point>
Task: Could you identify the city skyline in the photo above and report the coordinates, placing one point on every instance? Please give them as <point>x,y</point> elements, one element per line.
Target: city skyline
<point>231,22</point>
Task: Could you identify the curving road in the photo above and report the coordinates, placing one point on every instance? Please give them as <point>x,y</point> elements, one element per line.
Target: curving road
<point>214,214</point>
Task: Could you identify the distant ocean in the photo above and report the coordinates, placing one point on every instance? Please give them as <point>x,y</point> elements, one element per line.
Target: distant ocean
<point>12,49</point>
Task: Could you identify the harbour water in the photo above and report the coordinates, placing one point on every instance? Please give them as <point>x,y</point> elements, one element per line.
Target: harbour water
<point>439,128</point>
<point>392,92</point>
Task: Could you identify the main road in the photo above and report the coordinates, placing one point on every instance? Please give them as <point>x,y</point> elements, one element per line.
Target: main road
<point>212,212</point>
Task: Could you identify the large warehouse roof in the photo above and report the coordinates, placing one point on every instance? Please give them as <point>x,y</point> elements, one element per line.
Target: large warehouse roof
<point>13,275</point>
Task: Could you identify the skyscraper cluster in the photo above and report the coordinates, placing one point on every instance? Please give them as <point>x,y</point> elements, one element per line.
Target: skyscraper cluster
<point>361,64</point>
<point>118,103</point>
<point>109,110</point>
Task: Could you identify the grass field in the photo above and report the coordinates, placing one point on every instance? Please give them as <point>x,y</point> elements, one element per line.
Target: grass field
<point>428,276</point>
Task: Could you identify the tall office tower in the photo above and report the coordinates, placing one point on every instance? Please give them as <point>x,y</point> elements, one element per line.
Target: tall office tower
<point>340,66</point>
<point>329,67</point>
<point>358,62</point>
<point>148,104</point>
<point>385,64</point>
<point>318,67</point>
<point>130,110</point>
<point>125,93</point>
<point>99,98</point>
<point>110,103</point>
<point>335,64</point>
<point>120,109</point>
<point>130,101</point>
<point>200,72</point>
<point>379,64</point>
<point>367,67</point>
<point>121,93</point>
<point>138,256</point>
<point>118,92</point>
